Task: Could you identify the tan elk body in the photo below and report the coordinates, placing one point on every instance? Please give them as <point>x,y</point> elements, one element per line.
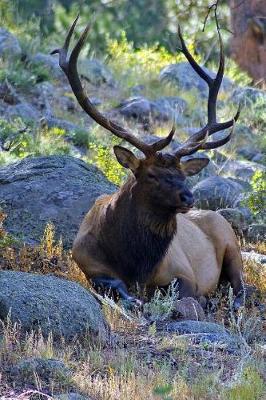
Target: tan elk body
<point>147,231</point>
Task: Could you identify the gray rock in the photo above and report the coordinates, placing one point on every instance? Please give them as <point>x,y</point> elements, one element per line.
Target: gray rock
<point>96,72</point>
<point>44,88</point>
<point>67,126</point>
<point>241,169</point>
<point>200,332</point>
<point>236,218</point>
<point>253,256</point>
<point>248,96</point>
<point>168,107</point>
<point>188,309</point>
<point>137,107</point>
<point>47,370</point>
<point>216,192</point>
<point>246,187</point>
<point>71,396</point>
<point>257,233</point>
<point>51,304</point>
<point>250,153</point>
<point>60,189</point>
<point>25,111</point>
<point>161,109</point>
<point>137,90</point>
<point>185,78</point>
<point>48,62</point>
<point>9,45</point>
<point>259,158</point>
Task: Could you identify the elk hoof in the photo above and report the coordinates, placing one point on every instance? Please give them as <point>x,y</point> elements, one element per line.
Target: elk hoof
<point>238,302</point>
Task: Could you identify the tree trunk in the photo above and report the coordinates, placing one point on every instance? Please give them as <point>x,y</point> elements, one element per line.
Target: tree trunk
<point>248,47</point>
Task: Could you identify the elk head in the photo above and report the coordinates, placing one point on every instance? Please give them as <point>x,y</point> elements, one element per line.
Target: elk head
<point>160,177</point>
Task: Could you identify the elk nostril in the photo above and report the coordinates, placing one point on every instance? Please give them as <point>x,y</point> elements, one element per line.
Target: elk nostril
<point>187,198</point>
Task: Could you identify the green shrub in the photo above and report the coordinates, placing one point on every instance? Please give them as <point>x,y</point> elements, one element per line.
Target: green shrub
<point>140,66</point>
<point>103,158</point>
<point>249,387</point>
<point>20,141</point>
<point>256,200</point>
<point>233,71</point>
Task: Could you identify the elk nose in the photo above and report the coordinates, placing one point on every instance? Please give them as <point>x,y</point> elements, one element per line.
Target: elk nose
<point>187,199</point>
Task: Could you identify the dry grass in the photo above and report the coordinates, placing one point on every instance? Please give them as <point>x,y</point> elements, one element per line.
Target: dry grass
<point>142,363</point>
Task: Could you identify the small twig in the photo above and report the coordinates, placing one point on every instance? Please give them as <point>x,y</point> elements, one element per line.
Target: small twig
<point>215,8</point>
<point>212,7</point>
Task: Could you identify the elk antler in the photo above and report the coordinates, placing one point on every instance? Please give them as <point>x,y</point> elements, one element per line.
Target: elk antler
<point>70,69</point>
<point>198,141</point>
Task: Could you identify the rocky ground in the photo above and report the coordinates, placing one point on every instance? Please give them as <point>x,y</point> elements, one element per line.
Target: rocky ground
<point>58,338</point>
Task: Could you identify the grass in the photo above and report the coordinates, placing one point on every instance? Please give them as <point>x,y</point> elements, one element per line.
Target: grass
<point>142,361</point>
<point>21,139</point>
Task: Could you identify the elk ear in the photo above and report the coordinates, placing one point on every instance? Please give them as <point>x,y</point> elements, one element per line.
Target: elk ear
<point>194,165</point>
<point>126,158</point>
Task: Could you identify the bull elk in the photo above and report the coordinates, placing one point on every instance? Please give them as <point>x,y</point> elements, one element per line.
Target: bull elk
<point>147,232</point>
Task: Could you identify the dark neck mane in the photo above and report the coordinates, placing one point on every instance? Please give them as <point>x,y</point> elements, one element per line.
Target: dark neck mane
<point>133,237</point>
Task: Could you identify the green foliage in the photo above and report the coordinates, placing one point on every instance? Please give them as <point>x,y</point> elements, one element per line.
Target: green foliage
<point>256,200</point>
<point>15,73</point>
<point>22,76</point>
<point>80,137</point>
<point>161,305</point>
<point>163,392</point>
<point>142,65</point>
<point>20,141</point>
<point>104,159</point>
<point>238,76</point>
<point>144,21</point>
<point>250,386</point>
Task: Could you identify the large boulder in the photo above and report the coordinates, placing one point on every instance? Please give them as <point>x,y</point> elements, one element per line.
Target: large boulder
<point>185,78</point>
<point>161,109</point>
<point>96,72</point>
<point>216,192</point>
<point>51,304</point>
<point>236,217</point>
<point>251,153</point>
<point>49,371</point>
<point>209,334</point>
<point>248,96</point>
<point>60,189</point>
<point>242,169</point>
<point>25,111</point>
<point>9,45</point>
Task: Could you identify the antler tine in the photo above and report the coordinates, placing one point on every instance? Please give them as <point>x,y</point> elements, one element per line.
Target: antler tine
<point>188,149</point>
<point>70,69</point>
<point>197,141</point>
<point>218,143</point>
<point>63,51</point>
<point>198,69</point>
<point>162,143</point>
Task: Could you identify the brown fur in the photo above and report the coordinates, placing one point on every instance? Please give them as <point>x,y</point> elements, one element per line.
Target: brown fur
<point>138,234</point>
<point>124,237</point>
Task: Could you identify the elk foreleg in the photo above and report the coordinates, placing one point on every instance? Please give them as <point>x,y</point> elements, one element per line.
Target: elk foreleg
<point>233,271</point>
<point>117,285</point>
